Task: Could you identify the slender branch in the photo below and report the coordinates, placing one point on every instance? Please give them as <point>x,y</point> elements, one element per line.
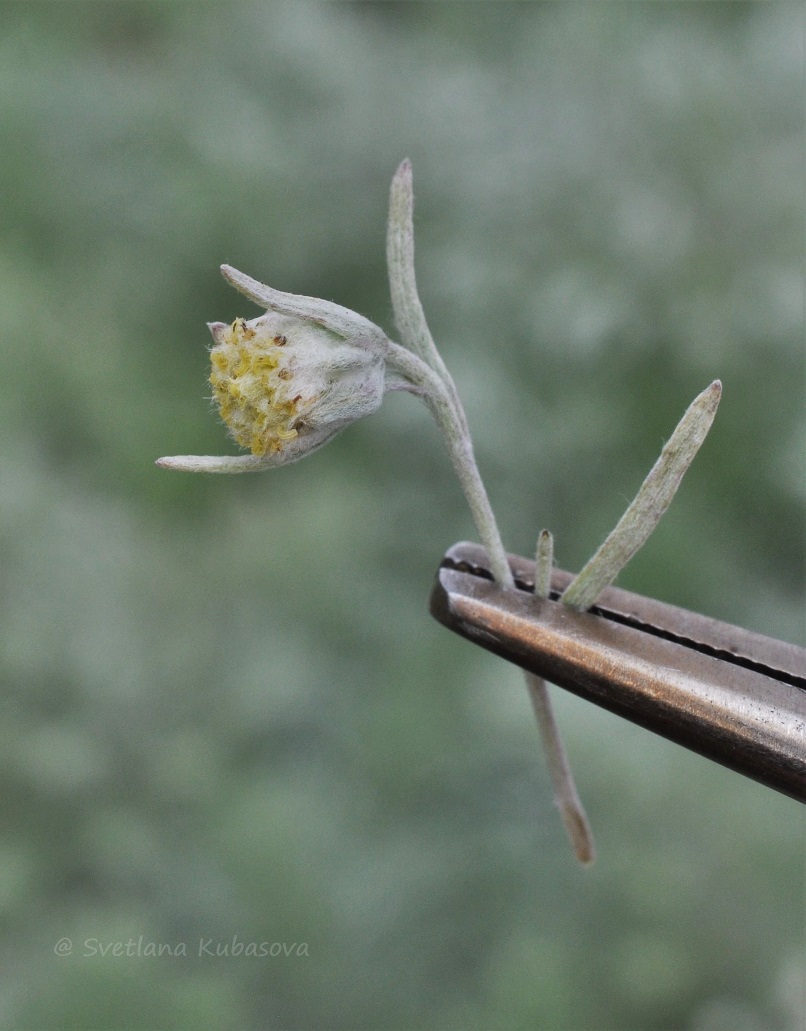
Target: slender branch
<point>544,563</point>
<point>449,416</point>
<point>565,793</point>
<point>446,409</point>
<point>566,796</point>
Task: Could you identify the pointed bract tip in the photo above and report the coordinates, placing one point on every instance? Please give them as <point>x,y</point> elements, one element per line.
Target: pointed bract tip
<point>217,330</point>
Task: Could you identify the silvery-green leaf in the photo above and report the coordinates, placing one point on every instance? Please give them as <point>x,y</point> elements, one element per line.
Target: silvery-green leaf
<point>653,498</point>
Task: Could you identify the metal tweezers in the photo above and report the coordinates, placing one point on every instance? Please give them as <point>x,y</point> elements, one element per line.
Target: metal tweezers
<point>734,696</point>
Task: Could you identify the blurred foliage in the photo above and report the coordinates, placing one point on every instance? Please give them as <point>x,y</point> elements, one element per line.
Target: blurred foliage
<point>226,711</point>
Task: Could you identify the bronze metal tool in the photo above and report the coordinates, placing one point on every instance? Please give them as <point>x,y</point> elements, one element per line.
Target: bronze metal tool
<point>732,695</point>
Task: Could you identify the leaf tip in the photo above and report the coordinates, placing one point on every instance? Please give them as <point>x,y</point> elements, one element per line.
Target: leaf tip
<point>708,401</point>
<point>404,169</point>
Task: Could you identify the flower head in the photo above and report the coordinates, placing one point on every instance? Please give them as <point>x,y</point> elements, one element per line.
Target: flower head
<point>283,384</point>
<point>286,382</point>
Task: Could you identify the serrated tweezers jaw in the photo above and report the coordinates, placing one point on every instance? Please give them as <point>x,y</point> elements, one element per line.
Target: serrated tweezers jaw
<point>735,697</point>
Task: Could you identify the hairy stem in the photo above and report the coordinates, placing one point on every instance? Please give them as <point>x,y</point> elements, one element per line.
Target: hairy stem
<point>565,792</point>
<point>449,415</point>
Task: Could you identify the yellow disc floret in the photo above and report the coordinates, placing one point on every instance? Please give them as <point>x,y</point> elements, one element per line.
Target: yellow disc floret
<point>251,384</point>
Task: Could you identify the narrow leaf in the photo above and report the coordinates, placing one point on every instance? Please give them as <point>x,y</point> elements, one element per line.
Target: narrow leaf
<point>650,503</point>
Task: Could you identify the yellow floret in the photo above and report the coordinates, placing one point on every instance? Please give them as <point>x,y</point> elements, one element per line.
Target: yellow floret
<point>219,359</point>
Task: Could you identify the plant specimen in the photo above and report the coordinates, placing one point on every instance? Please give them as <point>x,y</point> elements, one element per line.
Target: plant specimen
<point>289,380</point>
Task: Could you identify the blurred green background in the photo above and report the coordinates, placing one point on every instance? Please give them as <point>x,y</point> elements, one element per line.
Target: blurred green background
<point>226,712</point>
